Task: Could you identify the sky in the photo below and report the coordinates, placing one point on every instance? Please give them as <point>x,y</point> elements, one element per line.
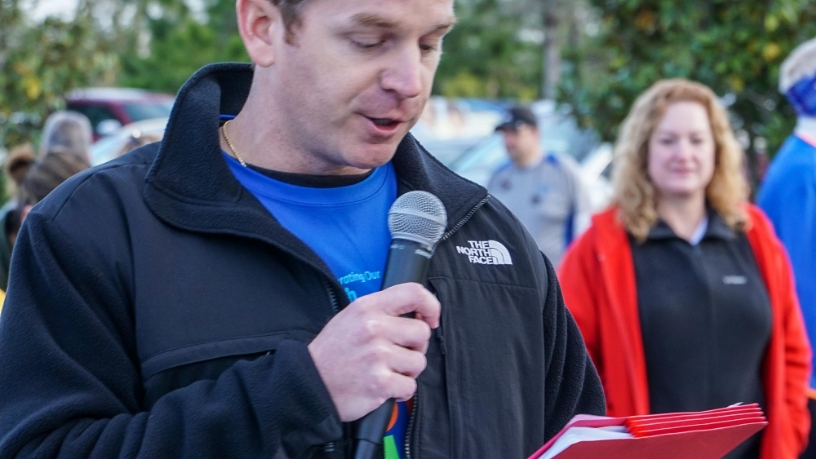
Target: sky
<point>61,8</point>
<point>65,8</point>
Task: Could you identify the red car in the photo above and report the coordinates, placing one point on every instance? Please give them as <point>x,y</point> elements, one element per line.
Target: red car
<point>111,108</point>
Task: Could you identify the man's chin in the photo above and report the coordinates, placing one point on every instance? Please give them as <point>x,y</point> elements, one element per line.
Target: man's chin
<point>371,156</point>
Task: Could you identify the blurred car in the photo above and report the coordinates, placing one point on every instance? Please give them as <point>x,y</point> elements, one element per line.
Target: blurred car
<point>450,126</point>
<point>112,145</point>
<point>109,109</point>
<point>596,169</point>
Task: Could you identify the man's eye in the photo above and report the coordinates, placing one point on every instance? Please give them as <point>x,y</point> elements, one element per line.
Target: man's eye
<point>367,44</point>
<point>426,48</point>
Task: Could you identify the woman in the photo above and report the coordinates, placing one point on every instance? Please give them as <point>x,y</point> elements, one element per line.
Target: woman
<point>57,165</point>
<point>682,292</point>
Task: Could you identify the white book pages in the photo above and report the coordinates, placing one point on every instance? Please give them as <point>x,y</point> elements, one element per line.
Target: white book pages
<point>578,434</point>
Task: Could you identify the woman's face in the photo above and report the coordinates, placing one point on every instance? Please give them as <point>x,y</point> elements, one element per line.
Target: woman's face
<point>681,152</point>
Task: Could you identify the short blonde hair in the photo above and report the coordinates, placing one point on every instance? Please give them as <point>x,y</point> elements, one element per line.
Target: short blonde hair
<point>634,192</point>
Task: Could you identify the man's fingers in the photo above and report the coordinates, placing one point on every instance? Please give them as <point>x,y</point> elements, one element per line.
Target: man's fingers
<point>403,387</point>
<point>410,298</point>
<point>410,333</point>
<point>407,362</point>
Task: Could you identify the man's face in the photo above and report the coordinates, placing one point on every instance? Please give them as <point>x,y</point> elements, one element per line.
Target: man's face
<point>521,143</point>
<point>356,77</point>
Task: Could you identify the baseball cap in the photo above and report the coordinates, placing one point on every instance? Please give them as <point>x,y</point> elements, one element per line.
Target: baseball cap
<point>517,116</point>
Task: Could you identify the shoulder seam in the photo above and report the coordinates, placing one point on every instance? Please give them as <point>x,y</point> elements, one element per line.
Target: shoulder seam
<point>77,186</point>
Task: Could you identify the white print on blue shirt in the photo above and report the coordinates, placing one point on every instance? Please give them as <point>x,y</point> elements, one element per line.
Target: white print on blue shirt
<point>350,281</point>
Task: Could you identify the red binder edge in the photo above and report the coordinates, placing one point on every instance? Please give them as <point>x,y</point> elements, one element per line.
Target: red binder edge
<point>585,420</point>
<point>670,446</point>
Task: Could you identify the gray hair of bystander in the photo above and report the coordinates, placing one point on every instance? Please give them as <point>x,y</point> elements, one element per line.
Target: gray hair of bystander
<point>67,129</point>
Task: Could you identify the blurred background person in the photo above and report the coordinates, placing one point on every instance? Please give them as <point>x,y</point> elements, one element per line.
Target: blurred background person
<point>18,162</point>
<point>543,190</point>
<point>16,167</point>
<point>788,194</point>
<point>138,139</point>
<point>68,129</point>
<point>681,290</point>
<point>56,166</point>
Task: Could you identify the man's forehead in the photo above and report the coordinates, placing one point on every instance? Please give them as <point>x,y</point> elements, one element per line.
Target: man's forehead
<point>392,13</point>
<point>384,21</point>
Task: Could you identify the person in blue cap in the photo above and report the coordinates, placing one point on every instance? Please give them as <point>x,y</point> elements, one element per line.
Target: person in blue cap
<point>788,195</point>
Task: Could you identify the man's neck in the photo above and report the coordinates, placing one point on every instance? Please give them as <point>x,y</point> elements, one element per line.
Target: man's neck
<point>683,215</point>
<point>530,160</point>
<point>259,138</point>
<point>806,128</point>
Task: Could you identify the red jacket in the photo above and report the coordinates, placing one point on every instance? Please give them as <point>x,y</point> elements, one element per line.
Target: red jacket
<point>598,280</point>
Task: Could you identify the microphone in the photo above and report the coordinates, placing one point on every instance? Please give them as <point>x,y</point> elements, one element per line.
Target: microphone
<point>417,220</point>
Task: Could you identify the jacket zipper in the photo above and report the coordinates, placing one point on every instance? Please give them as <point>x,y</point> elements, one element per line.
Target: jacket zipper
<point>332,296</point>
<point>330,447</point>
<point>414,410</point>
<point>464,220</point>
<point>411,421</point>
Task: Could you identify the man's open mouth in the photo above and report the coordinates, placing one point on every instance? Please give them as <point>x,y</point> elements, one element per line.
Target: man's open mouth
<point>384,122</point>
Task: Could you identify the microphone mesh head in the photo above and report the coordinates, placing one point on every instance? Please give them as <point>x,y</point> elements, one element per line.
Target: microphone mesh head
<point>418,216</point>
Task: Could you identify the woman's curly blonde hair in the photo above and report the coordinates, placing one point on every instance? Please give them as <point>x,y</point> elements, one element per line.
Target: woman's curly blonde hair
<point>634,193</point>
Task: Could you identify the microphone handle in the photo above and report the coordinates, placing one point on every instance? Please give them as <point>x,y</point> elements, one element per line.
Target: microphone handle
<point>407,262</point>
<point>371,431</point>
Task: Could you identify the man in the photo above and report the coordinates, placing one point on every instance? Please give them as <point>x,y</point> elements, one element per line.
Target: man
<point>216,295</point>
<point>788,194</point>
<point>544,191</point>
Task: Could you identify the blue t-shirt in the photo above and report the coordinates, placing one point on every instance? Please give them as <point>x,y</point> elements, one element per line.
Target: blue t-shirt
<point>347,227</point>
<point>788,197</point>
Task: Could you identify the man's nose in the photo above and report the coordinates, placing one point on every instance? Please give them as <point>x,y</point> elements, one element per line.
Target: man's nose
<point>404,76</point>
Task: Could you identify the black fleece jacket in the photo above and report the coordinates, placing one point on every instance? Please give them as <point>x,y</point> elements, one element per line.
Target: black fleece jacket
<point>156,309</point>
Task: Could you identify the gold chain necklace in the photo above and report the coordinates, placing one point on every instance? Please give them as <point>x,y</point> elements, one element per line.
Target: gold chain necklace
<point>231,146</point>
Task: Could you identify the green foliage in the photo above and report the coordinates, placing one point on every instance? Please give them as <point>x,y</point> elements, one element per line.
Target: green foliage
<point>39,64</point>
<point>181,44</point>
<point>151,44</point>
<point>733,47</point>
<point>484,55</point>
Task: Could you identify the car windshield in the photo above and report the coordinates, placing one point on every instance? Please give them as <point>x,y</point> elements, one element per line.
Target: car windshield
<point>147,110</point>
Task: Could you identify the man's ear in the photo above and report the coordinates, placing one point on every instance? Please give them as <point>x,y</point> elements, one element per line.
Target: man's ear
<point>261,27</point>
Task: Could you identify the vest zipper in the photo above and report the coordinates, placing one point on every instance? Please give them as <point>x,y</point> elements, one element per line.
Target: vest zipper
<point>415,409</point>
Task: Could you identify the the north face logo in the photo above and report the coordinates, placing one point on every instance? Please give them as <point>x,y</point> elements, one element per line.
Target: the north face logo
<point>486,253</point>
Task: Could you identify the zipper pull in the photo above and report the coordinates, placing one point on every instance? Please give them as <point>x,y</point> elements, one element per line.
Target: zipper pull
<point>440,336</point>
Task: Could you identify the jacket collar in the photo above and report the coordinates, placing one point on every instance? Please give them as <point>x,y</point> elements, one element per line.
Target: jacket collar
<point>716,228</point>
<point>190,186</point>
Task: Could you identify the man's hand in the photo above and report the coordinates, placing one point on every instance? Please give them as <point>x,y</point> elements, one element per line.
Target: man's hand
<point>367,353</point>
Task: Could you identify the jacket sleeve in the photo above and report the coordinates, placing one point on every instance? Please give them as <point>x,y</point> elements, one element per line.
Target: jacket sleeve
<point>577,275</point>
<point>797,355</point>
<point>71,383</point>
<point>572,384</point>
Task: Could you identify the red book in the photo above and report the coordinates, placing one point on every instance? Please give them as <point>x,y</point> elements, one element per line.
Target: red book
<point>698,435</point>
